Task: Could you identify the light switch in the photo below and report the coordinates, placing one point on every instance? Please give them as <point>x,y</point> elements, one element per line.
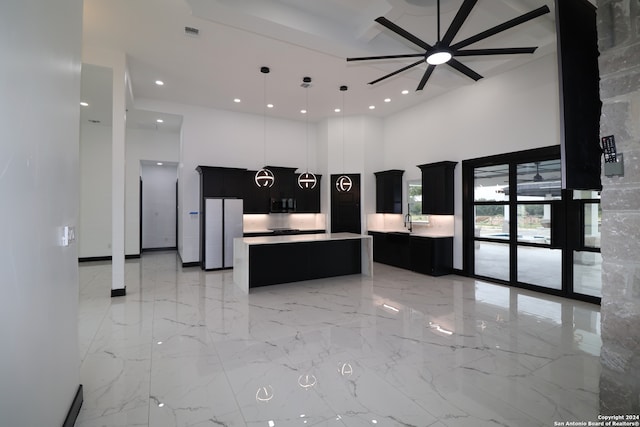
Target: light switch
<point>68,235</point>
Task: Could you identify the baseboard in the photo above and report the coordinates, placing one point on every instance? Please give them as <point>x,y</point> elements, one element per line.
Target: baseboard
<point>95,258</point>
<point>168,248</point>
<point>106,258</point>
<point>119,292</point>
<point>191,264</point>
<point>74,410</point>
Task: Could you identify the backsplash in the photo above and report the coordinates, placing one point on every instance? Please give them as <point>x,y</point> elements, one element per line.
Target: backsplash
<point>438,224</point>
<point>262,222</point>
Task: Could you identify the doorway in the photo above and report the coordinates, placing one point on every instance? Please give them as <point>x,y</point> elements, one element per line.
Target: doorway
<point>158,205</point>
<point>522,229</point>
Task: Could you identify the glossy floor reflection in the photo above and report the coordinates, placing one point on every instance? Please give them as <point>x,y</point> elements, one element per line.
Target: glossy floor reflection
<point>185,348</point>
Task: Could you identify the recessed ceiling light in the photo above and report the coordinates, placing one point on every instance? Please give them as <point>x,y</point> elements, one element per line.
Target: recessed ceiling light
<point>160,121</point>
<point>159,164</point>
<point>303,111</point>
<point>404,92</point>
<point>269,105</point>
<point>159,82</point>
<point>387,100</point>
<point>236,100</point>
<point>337,110</point>
<point>372,107</point>
<point>84,104</point>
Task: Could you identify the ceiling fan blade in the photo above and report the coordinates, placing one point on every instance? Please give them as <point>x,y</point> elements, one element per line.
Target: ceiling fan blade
<point>499,51</point>
<point>403,33</point>
<point>464,69</point>
<point>426,76</point>
<point>397,71</point>
<point>502,27</point>
<point>368,58</point>
<point>457,22</point>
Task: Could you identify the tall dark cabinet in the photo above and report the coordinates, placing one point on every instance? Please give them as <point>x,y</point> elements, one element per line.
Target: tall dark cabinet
<point>389,191</point>
<point>345,206</point>
<point>437,188</point>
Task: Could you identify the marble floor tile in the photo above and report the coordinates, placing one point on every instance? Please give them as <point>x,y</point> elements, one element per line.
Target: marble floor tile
<point>186,347</point>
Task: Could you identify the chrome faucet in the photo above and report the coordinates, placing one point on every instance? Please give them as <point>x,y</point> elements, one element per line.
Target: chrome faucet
<point>407,220</point>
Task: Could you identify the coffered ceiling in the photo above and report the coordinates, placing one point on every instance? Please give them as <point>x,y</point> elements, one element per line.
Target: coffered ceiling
<point>297,38</point>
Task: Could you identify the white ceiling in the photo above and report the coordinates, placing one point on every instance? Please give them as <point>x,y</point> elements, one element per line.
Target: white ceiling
<point>295,38</point>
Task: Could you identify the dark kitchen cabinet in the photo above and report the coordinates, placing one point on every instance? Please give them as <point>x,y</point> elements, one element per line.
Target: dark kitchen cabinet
<point>307,200</point>
<point>257,200</point>
<point>426,255</point>
<point>437,188</point>
<point>221,182</point>
<point>345,206</point>
<point>389,191</point>
<point>284,184</point>
<point>391,248</point>
<point>431,255</point>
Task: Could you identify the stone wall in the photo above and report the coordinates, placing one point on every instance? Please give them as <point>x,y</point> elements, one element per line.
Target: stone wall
<point>619,62</point>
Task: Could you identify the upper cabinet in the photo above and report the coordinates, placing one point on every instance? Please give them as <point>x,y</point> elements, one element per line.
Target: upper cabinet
<point>437,188</point>
<point>284,183</point>
<point>307,200</point>
<point>389,191</point>
<point>285,196</point>
<point>221,182</point>
<point>257,200</point>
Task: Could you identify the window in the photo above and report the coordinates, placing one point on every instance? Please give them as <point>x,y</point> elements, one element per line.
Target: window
<point>522,229</point>
<point>414,197</point>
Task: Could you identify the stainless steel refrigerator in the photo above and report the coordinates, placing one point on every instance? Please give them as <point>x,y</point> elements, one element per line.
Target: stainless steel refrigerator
<point>222,224</point>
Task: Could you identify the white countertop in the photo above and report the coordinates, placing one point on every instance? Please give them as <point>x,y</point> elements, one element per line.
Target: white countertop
<point>431,234</point>
<point>293,238</point>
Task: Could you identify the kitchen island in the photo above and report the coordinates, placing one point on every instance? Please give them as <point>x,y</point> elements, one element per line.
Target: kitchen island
<point>269,260</point>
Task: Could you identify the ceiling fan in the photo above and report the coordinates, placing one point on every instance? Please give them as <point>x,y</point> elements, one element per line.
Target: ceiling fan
<point>444,52</point>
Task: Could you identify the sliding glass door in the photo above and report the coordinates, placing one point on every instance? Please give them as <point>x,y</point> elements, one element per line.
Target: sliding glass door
<point>522,229</point>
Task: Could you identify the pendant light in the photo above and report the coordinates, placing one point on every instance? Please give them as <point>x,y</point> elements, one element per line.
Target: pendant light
<point>307,180</point>
<point>264,177</point>
<point>343,183</point>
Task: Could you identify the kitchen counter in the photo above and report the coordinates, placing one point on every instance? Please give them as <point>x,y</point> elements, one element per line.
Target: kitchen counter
<point>430,234</point>
<point>282,231</point>
<point>270,260</point>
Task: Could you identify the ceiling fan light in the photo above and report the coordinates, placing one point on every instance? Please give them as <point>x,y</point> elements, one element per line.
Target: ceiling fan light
<point>439,57</point>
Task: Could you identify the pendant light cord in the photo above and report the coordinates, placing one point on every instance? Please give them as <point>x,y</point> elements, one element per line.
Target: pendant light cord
<point>264,119</point>
<point>343,89</point>
<point>307,124</point>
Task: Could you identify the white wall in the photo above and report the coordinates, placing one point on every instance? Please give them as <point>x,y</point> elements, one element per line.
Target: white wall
<point>39,186</point>
<point>143,144</point>
<point>213,137</point>
<point>94,229</point>
<point>159,205</point>
<point>95,232</point>
<point>515,111</point>
<point>352,145</point>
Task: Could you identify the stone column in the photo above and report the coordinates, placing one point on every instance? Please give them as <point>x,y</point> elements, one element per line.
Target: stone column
<point>619,62</point>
